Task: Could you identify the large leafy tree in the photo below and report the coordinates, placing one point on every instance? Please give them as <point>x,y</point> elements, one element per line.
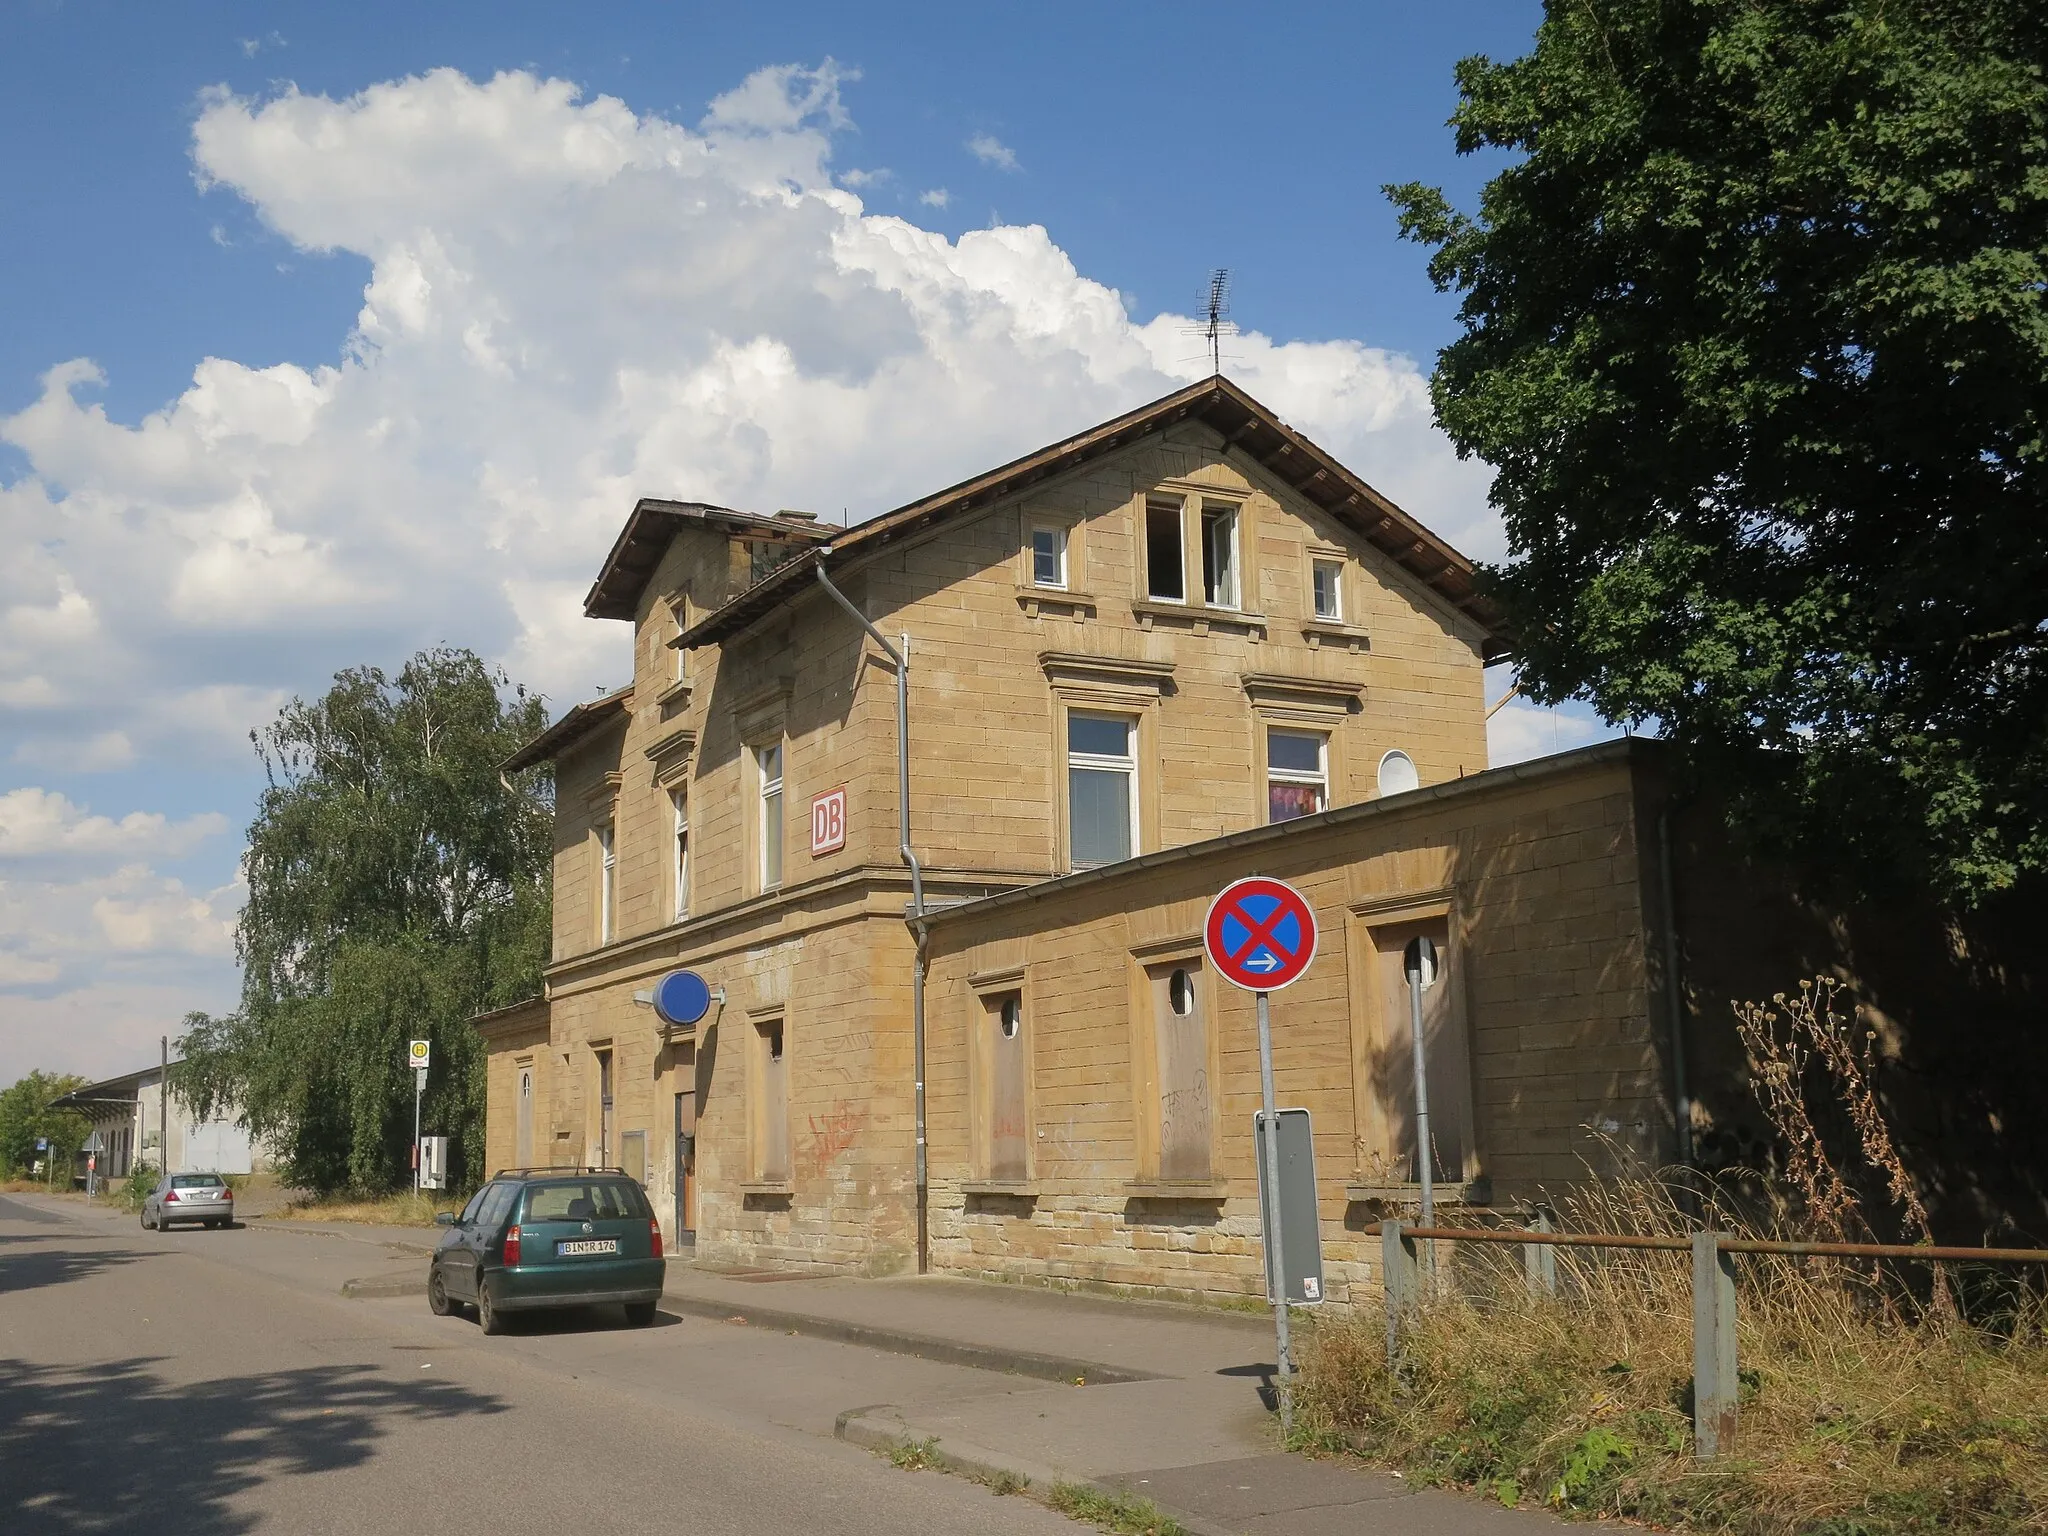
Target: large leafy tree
<point>26,1117</point>
<point>398,885</point>
<point>1755,331</point>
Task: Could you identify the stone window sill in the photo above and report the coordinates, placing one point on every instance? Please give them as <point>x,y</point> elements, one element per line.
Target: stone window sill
<point>1037,600</point>
<point>677,692</point>
<point>1027,1190</point>
<point>768,1187</point>
<point>1149,611</point>
<point>1477,1191</point>
<point>1177,1189</point>
<point>1321,632</point>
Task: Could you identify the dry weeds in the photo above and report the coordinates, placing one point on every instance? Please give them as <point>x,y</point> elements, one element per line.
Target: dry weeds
<point>1854,1421</point>
<point>400,1210</point>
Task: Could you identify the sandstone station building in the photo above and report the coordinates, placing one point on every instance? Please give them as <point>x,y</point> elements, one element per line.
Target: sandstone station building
<point>1185,646</point>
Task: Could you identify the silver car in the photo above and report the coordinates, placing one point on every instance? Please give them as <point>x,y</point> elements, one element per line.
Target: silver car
<point>198,1197</point>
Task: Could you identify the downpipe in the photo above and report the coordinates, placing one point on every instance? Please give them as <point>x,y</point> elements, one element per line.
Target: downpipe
<point>920,932</point>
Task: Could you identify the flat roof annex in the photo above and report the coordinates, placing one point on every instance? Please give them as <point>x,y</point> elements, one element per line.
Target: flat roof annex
<point>1242,422</point>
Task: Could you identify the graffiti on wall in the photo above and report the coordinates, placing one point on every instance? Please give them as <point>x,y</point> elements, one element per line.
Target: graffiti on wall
<point>831,1134</point>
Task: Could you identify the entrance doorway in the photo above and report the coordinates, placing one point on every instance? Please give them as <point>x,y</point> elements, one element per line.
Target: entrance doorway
<point>686,1169</point>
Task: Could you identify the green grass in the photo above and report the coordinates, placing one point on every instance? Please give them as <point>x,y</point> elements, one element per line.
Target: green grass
<point>917,1455</point>
<point>1120,1513</point>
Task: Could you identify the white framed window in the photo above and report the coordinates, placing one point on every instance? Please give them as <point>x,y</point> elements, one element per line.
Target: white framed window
<point>1219,555</point>
<point>1102,788</point>
<point>1297,774</point>
<point>1326,578</point>
<point>768,768</point>
<point>679,866</point>
<point>1048,555</point>
<point>1397,773</point>
<point>1166,578</point>
<point>607,882</point>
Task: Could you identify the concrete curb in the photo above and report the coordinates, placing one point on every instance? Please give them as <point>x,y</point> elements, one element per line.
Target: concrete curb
<point>986,1357</point>
<point>879,1428</point>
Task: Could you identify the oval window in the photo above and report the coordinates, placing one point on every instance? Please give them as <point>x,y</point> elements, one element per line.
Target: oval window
<point>1012,1017</point>
<point>1180,993</point>
<point>1397,774</point>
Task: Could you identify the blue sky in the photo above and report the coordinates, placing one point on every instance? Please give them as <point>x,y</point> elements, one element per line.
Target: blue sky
<point>368,323</point>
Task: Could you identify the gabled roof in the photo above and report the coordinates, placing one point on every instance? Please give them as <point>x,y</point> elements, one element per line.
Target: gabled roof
<point>646,537</point>
<point>114,1090</point>
<point>1243,423</point>
<point>578,723</point>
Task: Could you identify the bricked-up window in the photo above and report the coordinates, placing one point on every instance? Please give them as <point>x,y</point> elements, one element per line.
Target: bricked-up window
<point>604,1109</point>
<point>1102,788</point>
<point>1327,578</point>
<point>1397,774</point>
<point>1048,556</point>
<point>1165,570</point>
<point>522,1138</point>
<point>1219,556</point>
<point>1446,1050</point>
<point>1180,1038</point>
<point>607,882</point>
<point>1297,774</point>
<point>679,853</point>
<point>768,771</point>
<point>633,1155</point>
<point>1007,1053</point>
<point>771,1103</point>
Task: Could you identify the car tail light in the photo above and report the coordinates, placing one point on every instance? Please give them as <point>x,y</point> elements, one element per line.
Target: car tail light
<point>654,1236</point>
<point>511,1245</point>
<point>170,1196</point>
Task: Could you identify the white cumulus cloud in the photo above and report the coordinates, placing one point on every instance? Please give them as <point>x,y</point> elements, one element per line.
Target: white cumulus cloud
<point>37,822</point>
<point>990,150</point>
<point>570,304</point>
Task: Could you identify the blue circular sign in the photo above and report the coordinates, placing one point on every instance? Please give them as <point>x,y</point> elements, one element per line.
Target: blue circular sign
<point>682,997</point>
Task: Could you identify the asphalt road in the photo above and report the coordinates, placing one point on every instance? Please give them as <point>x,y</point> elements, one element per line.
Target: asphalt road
<point>216,1382</point>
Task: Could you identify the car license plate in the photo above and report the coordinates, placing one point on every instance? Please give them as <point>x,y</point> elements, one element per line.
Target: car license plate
<point>587,1245</point>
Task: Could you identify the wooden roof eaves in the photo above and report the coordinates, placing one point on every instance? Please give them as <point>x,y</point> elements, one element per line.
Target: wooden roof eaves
<point>651,526</point>
<point>579,722</point>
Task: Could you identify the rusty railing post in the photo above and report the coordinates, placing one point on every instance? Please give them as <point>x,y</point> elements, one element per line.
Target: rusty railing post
<point>1715,1382</point>
<point>1539,1260</point>
<point>1400,1279</point>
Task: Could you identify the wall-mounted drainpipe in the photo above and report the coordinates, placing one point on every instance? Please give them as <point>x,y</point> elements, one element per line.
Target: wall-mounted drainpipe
<point>919,932</point>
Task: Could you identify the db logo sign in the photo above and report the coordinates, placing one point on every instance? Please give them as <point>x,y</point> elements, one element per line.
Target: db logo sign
<point>828,822</point>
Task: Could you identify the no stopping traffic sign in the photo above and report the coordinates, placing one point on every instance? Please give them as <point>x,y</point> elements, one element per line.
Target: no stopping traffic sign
<point>1260,934</point>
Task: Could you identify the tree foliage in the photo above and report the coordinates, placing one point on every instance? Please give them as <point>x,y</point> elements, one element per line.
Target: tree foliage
<point>25,1116</point>
<point>1754,331</point>
<point>398,885</point>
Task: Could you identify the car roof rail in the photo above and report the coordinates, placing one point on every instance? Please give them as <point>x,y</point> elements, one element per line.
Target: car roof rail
<point>558,1170</point>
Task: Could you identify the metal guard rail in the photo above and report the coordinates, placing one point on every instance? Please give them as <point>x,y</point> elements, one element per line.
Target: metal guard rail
<point>1716,1383</point>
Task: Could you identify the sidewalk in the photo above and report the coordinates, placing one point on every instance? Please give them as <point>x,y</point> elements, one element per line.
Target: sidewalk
<point>1176,1406</point>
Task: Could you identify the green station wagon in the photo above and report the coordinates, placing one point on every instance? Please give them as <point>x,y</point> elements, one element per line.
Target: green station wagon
<point>549,1237</point>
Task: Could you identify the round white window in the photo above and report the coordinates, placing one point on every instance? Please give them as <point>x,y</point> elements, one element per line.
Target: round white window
<point>1397,774</point>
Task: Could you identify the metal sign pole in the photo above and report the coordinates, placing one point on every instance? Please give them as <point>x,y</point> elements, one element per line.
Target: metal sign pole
<point>1276,1277</point>
<point>1420,962</point>
<point>419,1091</point>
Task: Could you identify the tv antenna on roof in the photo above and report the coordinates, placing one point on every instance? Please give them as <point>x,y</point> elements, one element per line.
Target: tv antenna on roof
<point>1215,326</point>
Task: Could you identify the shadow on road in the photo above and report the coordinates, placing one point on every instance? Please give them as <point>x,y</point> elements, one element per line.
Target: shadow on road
<point>113,1447</point>
<point>555,1320</point>
<point>58,1266</point>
